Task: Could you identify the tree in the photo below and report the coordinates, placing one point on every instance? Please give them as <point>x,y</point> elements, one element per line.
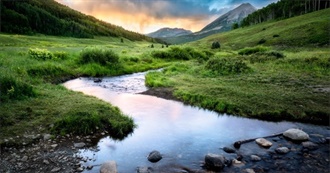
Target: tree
<point>152,46</point>
<point>235,26</point>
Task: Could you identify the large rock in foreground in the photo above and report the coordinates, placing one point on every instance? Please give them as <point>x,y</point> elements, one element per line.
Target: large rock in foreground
<point>215,162</point>
<point>296,135</point>
<point>154,156</point>
<point>109,167</point>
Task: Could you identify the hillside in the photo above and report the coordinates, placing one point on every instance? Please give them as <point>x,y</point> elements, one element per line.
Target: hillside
<point>169,32</point>
<point>52,18</point>
<point>311,29</point>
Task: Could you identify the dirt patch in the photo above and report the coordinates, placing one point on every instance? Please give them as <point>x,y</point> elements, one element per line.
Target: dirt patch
<point>162,92</point>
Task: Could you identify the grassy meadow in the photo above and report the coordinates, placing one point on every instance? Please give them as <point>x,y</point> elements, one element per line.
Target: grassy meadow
<point>32,67</point>
<point>284,77</point>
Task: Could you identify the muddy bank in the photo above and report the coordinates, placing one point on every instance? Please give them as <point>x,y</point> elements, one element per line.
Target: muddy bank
<point>161,92</point>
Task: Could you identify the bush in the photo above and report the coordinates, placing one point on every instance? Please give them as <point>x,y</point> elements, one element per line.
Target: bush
<point>252,50</point>
<point>99,56</point>
<point>40,54</point>
<point>61,55</point>
<point>276,35</point>
<point>262,41</point>
<point>215,45</point>
<point>226,66</point>
<point>178,53</point>
<point>12,88</point>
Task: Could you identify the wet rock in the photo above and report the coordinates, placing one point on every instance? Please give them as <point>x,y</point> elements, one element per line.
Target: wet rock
<point>97,80</point>
<point>143,170</point>
<point>282,150</point>
<point>89,167</point>
<point>80,169</point>
<point>54,145</point>
<point>249,170</point>
<point>310,145</point>
<point>215,162</point>
<point>154,156</point>
<point>25,158</point>
<point>237,144</point>
<point>296,135</point>
<point>56,169</point>
<point>47,137</point>
<point>109,167</point>
<point>229,150</point>
<point>263,142</point>
<point>79,145</point>
<point>255,158</point>
<point>45,162</point>
<point>237,163</point>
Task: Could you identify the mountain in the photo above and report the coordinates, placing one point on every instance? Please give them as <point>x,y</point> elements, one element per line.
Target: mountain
<point>169,32</point>
<point>221,24</point>
<point>225,22</point>
<point>52,18</point>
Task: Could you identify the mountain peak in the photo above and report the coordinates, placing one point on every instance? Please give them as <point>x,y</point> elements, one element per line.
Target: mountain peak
<point>169,32</point>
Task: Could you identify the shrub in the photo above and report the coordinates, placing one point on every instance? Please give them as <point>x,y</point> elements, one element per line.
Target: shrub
<point>226,65</point>
<point>99,56</point>
<point>265,56</point>
<point>61,55</point>
<point>276,35</point>
<point>40,54</point>
<point>252,50</point>
<point>262,41</point>
<point>13,88</point>
<point>178,53</point>
<point>215,45</point>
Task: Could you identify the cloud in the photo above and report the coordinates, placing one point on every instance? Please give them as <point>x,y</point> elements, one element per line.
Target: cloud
<point>145,16</point>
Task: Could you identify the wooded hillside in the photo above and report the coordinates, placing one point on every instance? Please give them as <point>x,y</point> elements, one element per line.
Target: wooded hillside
<point>52,18</point>
<point>284,9</point>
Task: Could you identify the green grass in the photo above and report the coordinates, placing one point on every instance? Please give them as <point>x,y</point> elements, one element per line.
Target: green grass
<point>31,68</point>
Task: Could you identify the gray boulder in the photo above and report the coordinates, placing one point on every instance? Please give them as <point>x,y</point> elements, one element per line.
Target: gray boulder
<point>109,167</point>
<point>229,150</point>
<point>263,142</point>
<point>79,145</point>
<point>296,135</point>
<point>215,162</point>
<point>154,156</point>
<point>282,150</point>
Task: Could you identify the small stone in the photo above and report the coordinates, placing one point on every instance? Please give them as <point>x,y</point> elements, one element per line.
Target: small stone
<point>154,156</point>
<point>80,169</point>
<point>109,167</point>
<point>255,158</point>
<point>45,162</point>
<point>296,135</point>
<point>237,163</point>
<point>54,145</point>
<point>56,169</point>
<point>263,142</point>
<point>215,162</point>
<point>89,167</point>
<point>282,150</point>
<point>228,150</point>
<point>79,145</point>
<point>249,170</point>
<point>144,170</point>
<point>25,158</point>
<point>47,137</point>
<point>310,145</point>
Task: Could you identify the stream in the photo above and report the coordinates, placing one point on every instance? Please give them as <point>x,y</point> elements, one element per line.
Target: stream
<point>182,134</point>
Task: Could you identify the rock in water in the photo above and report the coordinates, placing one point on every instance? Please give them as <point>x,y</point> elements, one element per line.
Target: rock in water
<point>282,150</point>
<point>154,156</point>
<point>263,142</point>
<point>228,150</point>
<point>255,158</point>
<point>296,135</point>
<point>310,145</point>
<point>215,162</point>
<point>79,145</point>
<point>109,167</point>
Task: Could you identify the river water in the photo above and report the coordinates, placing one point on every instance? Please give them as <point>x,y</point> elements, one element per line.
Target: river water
<point>182,134</point>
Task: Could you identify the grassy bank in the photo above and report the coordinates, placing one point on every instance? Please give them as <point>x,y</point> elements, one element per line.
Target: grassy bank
<point>31,68</point>
<point>283,77</point>
<point>294,87</point>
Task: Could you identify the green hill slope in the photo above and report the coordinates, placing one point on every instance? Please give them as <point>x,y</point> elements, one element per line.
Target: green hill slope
<point>51,18</point>
<point>306,30</point>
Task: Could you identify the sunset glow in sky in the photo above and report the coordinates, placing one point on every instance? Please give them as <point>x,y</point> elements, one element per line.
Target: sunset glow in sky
<point>145,16</point>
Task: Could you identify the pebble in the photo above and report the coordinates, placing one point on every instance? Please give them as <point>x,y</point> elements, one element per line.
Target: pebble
<point>45,162</point>
<point>56,169</point>
<point>310,145</point>
<point>25,158</point>
<point>263,142</point>
<point>255,158</point>
<point>249,170</point>
<point>282,150</point>
<point>79,145</point>
<point>54,145</point>
<point>47,136</point>
<point>80,169</point>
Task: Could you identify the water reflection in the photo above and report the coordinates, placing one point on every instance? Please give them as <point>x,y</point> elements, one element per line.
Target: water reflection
<point>183,134</point>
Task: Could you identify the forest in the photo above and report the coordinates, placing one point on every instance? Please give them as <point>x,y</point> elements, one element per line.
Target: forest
<point>51,18</point>
<point>284,9</point>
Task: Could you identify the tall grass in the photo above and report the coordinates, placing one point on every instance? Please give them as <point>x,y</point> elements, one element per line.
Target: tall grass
<point>99,56</point>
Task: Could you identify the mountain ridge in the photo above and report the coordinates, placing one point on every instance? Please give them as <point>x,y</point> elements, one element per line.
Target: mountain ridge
<point>169,32</point>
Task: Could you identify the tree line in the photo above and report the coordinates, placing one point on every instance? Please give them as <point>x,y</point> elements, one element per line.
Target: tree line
<point>284,9</point>
<point>52,18</point>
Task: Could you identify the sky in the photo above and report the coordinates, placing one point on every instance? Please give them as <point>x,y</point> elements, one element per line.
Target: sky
<point>145,16</point>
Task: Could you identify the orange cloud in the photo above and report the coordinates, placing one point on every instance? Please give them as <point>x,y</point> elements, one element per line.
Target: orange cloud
<point>143,17</point>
